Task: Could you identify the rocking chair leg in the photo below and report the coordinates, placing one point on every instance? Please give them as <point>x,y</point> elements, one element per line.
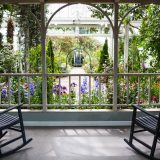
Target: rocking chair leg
<point>132,126</point>
<point>15,149</point>
<point>2,134</point>
<point>153,148</point>
<point>23,133</point>
<point>22,127</point>
<point>155,141</point>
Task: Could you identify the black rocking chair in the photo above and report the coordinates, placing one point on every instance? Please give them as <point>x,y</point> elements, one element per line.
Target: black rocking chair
<point>147,122</point>
<point>8,121</point>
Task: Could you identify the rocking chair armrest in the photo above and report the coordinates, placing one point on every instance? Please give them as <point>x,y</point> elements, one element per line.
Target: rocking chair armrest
<point>11,108</point>
<point>136,107</point>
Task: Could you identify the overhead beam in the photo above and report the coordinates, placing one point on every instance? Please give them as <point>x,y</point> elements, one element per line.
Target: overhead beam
<point>79,1</point>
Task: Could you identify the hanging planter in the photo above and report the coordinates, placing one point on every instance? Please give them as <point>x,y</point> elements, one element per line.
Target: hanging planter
<point>10,30</point>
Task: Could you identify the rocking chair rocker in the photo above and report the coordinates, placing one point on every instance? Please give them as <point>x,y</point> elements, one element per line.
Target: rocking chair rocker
<point>147,122</point>
<point>8,121</point>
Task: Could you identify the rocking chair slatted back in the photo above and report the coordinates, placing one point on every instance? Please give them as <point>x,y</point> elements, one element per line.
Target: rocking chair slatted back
<point>147,122</point>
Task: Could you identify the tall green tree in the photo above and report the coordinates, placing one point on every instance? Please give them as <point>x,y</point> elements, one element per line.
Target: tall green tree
<point>1,17</point>
<point>29,28</point>
<point>150,35</point>
<point>135,14</point>
<point>104,57</point>
<point>135,59</point>
<point>50,55</point>
<point>29,31</point>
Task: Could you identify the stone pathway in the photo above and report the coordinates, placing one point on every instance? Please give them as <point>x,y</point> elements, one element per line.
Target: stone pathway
<point>64,81</point>
<point>74,79</point>
<point>76,70</point>
<point>88,87</point>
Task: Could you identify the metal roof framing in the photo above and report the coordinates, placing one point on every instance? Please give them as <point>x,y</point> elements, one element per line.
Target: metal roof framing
<point>79,1</point>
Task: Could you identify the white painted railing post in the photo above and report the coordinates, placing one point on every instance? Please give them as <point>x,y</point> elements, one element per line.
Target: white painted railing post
<point>115,59</point>
<point>126,47</point>
<point>43,44</point>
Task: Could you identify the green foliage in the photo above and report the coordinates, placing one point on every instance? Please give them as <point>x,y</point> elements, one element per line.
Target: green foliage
<point>1,43</point>
<point>107,8</point>
<point>37,97</point>
<point>1,14</point>
<point>8,7</point>
<point>121,54</point>
<point>15,94</point>
<point>95,56</point>
<point>29,31</point>
<point>104,57</point>
<point>135,59</point>
<point>135,14</point>
<point>7,60</point>
<point>64,46</point>
<point>35,59</point>
<point>35,94</point>
<point>50,81</point>
<point>150,34</point>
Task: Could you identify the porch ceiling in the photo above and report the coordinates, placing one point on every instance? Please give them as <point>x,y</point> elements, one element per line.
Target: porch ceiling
<point>80,1</point>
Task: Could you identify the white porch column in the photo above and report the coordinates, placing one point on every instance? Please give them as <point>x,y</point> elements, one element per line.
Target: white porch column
<point>43,44</point>
<point>112,45</point>
<point>115,58</point>
<point>126,47</point>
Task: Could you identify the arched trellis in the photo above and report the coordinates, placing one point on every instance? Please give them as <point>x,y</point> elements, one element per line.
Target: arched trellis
<point>115,27</point>
<point>78,49</point>
<point>69,4</point>
<point>92,5</point>
<point>44,27</point>
<point>127,13</point>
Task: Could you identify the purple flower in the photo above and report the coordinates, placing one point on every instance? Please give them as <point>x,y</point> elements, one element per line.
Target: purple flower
<point>96,84</point>
<point>96,87</point>
<point>64,88</point>
<point>4,92</point>
<point>73,84</point>
<point>31,88</point>
<point>58,89</point>
<point>84,88</point>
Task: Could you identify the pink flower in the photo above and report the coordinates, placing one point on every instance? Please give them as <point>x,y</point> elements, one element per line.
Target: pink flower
<point>154,99</point>
<point>143,66</point>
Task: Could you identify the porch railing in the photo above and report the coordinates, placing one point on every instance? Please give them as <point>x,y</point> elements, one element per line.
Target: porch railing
<point>80,91</point>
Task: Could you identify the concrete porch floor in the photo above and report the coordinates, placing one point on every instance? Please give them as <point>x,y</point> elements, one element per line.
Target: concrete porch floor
<point>77,143</point>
